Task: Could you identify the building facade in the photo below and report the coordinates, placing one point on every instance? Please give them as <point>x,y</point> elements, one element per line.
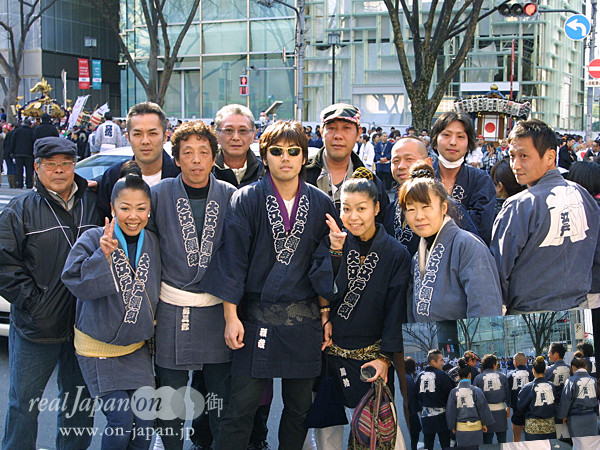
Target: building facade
<point>56,42</point>
<point>232,37</point>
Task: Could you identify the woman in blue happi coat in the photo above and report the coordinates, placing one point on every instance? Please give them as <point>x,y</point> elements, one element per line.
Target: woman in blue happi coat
<point>536,401</point>
<point>454,274</point>
<point>467,412</point>
<point>363,272</point>
<point>496,389</point>
<point>115,274</point>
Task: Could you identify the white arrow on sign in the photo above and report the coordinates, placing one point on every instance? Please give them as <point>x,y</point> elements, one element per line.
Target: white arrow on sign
<point>575,24</point>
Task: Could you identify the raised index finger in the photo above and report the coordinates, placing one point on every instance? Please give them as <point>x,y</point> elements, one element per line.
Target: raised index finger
<point>332,224</point>
<point>112,226</point>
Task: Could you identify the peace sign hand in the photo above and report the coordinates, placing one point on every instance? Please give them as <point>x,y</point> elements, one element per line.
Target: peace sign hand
<point>336,236</point>
<point>107,243</point>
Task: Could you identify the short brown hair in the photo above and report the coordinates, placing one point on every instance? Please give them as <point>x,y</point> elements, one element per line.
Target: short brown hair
<point>289,130</point>
<point>195,128</point>
<point>141,109</point>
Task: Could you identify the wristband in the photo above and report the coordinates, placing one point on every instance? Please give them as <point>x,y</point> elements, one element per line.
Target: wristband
<point>335,252</point>
<point>324,309</point>
<point>384,359</point>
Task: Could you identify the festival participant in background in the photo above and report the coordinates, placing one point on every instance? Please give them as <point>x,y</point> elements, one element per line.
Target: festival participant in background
<point>558,374</point>
<point>453,136</point>
<point>453,271</point>
<point>467,412</point>
<point>434,386</point>
<point>553,220</point>
<point>115,274</point>
<point>505,183</point>
<point>410,367</point>
<point>188,214</point>
<point>364,273</point>
<point>496,389</point>
<point>273,323</point>
<point>518,378</point>
<point>578,405</point>
<point>536,401</point>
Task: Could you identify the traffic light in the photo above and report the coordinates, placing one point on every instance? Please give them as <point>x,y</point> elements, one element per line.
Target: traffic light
<point>244,85</point>
<point>518,9</point>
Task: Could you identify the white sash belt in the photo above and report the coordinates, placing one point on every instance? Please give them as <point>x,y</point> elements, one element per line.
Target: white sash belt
<point>496,406</point>
<point>177,297</point>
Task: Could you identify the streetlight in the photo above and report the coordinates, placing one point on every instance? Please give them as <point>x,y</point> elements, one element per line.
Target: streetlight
<point>333,39</point>
<point>299,50</point>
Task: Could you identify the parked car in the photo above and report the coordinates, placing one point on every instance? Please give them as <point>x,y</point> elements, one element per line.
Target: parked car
<point>96,165</point>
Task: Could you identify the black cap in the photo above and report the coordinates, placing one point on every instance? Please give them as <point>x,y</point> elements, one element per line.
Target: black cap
<point>50,146</point>
<point>46,117</point>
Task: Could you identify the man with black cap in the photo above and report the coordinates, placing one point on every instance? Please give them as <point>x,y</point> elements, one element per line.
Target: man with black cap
<point>336,162</point>
<point>37,231</point>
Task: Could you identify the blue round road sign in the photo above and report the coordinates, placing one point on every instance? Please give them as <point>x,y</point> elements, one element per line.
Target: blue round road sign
<point>577,27</point>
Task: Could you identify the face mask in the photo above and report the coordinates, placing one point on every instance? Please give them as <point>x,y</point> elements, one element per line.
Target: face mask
<point>448,164</point>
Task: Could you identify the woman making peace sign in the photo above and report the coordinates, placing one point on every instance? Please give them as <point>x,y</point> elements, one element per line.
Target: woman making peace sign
<point>115,274</point>
<point>363,272</point>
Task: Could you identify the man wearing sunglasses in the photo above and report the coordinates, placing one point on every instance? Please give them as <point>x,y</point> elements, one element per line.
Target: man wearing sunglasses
<point>336,162</point>
<point>273,322</point>
<point>236,163</point>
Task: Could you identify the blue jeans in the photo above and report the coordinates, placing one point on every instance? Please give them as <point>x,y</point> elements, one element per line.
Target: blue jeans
<point>31,365</point>
<point>123,429</point>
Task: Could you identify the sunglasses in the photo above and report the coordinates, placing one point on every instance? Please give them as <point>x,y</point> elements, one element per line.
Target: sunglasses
<point>276,150</point>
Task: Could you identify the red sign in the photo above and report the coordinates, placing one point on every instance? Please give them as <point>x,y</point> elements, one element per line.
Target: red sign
<point>594,68</point>
<point>84,74</point>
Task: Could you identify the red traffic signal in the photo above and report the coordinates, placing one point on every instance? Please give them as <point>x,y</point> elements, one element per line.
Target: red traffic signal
<point>518,9</point>
<point>530,9</point>
<point>244,85</point>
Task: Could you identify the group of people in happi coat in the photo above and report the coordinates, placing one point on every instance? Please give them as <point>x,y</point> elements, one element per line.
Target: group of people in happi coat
<point>471,404</point>
<point>242,269</point>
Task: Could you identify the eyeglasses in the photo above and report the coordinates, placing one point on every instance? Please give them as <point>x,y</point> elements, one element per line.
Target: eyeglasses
<point>229,132</point>
<point>52,165</point>
<point>276,150</point>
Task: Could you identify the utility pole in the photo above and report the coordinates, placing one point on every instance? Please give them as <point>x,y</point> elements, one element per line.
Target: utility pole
<point>591,41</point>
<point>299,52</point>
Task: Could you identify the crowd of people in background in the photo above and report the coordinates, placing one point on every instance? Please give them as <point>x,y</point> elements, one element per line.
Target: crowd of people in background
<point>470,400</point>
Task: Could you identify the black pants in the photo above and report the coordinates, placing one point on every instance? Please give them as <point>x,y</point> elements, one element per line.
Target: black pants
<point>202,436</point>
<point>415,430</point>
<point>429,439</point>
<point>246,392</point>
<point>27,162</point>
<point>216,377</point>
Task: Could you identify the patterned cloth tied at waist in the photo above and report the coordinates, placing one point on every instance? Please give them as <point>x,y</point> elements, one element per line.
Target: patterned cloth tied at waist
<point>178,297</point>
<point>430,411</point>
<point>469,426</point>
<point>361,354</point>
<point>540,426</point>
<point>496,406</point>
<point>86,345</point>
<point>280,314</point>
